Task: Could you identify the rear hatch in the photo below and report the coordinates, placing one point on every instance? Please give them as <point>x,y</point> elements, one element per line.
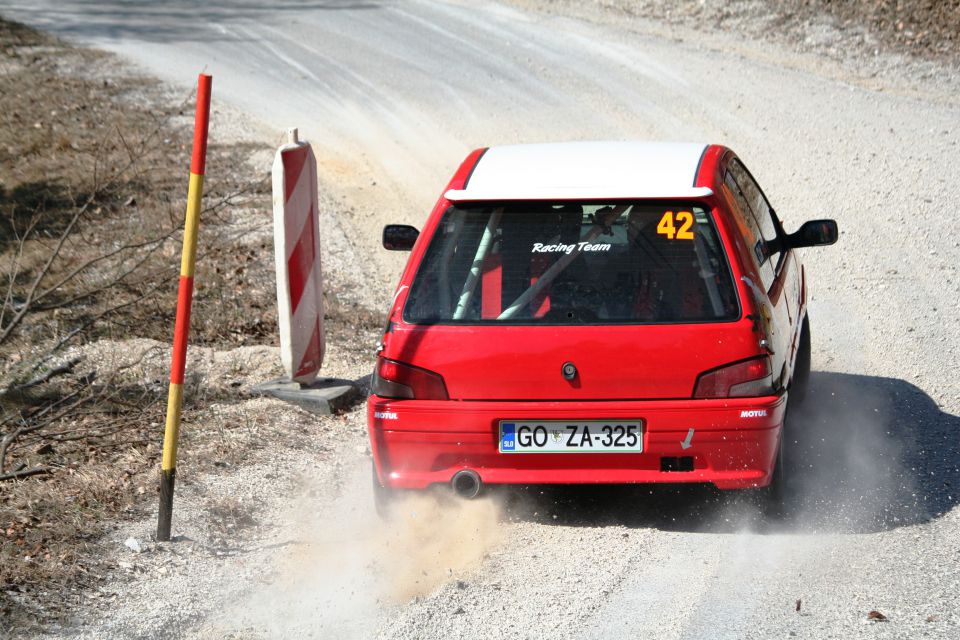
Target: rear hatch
<point>637,296</point>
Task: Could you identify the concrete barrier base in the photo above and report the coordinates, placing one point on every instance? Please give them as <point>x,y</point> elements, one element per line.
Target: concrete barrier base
<point>323,396</point>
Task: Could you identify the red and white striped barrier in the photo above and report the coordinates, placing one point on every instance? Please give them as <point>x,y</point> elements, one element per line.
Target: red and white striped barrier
<point>296,238</point>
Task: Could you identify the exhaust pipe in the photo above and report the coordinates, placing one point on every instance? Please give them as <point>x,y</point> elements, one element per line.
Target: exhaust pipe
<point>466,484</point>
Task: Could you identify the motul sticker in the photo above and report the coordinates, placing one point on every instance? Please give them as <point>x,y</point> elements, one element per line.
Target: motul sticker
<point>756,413</point>
<point>385,415</point>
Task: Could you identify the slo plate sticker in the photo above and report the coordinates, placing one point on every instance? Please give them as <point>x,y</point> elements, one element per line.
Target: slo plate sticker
<point>508,437</point>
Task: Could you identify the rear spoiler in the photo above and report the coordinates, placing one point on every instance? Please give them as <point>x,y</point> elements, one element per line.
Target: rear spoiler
<point>598,193</point>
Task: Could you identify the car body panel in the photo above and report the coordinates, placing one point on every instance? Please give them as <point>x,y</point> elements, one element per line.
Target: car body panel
<point>614,362</point>
<point>418,443</point>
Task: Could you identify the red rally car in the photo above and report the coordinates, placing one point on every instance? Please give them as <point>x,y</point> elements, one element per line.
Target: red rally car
<point>609,312</point>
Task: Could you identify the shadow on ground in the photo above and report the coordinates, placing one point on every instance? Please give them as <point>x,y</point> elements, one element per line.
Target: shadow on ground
<point>42,206</point>
<point>863,454</point>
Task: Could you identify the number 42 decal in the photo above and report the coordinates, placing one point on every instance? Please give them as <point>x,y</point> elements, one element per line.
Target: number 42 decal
<point>666,225</point>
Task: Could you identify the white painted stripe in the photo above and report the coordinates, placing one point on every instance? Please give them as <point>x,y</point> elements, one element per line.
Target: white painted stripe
<point>298,207</point>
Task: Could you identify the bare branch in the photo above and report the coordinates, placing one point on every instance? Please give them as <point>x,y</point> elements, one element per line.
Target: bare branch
<point>107,312</point>
<point>112,283</point>
<point>24,473</point>
<point>52,373</point>
<point>15,267</point>
<point>5,444</point>
<point>25,308</point>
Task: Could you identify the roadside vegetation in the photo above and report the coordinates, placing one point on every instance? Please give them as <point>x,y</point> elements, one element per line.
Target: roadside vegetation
<point>93,179</point>
<point>921,29</point>
<point>93,169</point>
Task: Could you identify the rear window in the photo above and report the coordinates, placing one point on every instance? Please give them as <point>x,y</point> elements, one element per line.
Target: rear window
<point>573,263</point>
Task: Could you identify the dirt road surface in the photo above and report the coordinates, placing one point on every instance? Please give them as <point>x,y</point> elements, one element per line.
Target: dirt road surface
<point>393,95</point>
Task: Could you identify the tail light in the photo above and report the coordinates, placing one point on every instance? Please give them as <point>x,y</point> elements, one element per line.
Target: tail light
<point>740,379</point>
<point>392,379</point>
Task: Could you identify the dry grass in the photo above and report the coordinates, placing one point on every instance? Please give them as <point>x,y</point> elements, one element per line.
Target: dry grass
<point>51,528</point>
<point>92,193</point>
<point>98,152</point>
<point>83,372</point>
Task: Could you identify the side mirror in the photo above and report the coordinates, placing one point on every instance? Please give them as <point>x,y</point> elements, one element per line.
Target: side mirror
<point>814,233</point>
<point>399,237</point>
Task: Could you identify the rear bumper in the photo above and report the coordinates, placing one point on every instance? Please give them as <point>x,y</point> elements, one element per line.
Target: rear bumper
<point>417,443</point>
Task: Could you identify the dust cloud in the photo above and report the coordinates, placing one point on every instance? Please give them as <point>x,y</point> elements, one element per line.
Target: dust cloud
<point>347,565</point>
<point>432,539</point>
<point>864,454</point>
<point>855,455</point>
<point>850,452</point>
<point>853,459</point>
<point>860,459</point>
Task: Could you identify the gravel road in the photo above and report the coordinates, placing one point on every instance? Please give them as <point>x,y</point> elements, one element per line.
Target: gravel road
<point>393,95</point>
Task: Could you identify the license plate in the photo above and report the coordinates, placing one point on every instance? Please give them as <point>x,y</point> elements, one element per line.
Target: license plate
<point>568,436</point>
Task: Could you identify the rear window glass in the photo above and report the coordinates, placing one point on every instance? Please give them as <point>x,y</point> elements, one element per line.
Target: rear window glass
<point>531,263</point>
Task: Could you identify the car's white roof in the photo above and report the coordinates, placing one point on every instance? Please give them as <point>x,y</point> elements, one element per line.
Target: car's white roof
<point>585,170</point>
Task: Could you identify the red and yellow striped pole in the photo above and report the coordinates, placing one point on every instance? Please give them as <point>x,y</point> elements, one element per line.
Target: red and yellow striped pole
<point>168,466</point>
